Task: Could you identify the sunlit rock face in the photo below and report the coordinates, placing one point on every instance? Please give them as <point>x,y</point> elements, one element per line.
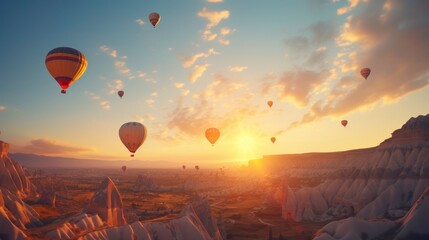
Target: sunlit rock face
<point>195,222</point>
<point>12,175</point>
<point>107,203</point>
<point>414,225</point>
<point>375,183</point>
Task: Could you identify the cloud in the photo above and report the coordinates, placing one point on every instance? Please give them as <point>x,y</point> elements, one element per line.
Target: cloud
<point>237,68</point>
<point>197,72</point>
<point>140,74</point>
<point>191,119</point>
<point>120,65</point>
<point>190,60</point>
<point>140,22</point>
<point>297,44</point>
<point>110,52</point>
<point>214,1</point>
<point>2,107</point>
<point>154,94</point>
<point>51,147</point>
<point>392,41</point>
<point>297,85</point>
<point>348,8</point>
<point>224,42</point>
<point>115,86</point>
<point>150,102</point>
<point>103,103</point>
<point>323,31</point>
<point>179,85</point>
<point>214,17</point>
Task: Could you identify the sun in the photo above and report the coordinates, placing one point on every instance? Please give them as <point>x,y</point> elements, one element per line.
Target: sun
<point>246,142</point>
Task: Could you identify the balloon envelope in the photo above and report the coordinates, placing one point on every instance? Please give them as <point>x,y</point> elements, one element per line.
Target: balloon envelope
<point>66,65</point>
<point>154,18</point>
<point>183,167</point>
<point>344,122</point>
<point>365,72</point>
<point>273,139</point>
<point>121,93</point>
<point>132,135</point>
<point>270,103</point>
<point>212,134</point>
<point>124,168</point>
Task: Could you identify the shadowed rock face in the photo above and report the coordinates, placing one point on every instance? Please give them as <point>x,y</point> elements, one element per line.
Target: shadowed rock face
<point>383,182</point>
<point>412,226</point>
<point>107,203</point>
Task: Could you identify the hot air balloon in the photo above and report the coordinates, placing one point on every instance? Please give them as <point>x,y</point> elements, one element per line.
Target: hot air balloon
<point>197,167</point>
<point>344,122</point>
<point>212,134</point>
<point>66,65</point>
<point>183,167</point>
<point>365,72</point>
<point>124,168</point>
<point>273,139</point>
<point>154,18</point>
<point>132,135</point>
<point>270,103</point>
<point>121,93</point>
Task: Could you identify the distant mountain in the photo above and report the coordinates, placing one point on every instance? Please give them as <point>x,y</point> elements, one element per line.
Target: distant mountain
<point>40,161</point>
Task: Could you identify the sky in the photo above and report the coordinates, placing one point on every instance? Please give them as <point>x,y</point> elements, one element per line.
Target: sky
<point>213,63</point>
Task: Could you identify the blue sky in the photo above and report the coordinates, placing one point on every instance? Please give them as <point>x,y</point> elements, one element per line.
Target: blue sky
<point>212,64</point>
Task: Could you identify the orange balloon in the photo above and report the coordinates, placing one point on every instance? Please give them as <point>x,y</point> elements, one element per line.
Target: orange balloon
<point>273,139</point>
<point>344,122</point>
<point>270,103</point>
<point>212,134</point>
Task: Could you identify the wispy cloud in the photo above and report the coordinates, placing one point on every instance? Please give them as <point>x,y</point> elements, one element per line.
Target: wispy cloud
<point>110,52</point>
<point>51,147</point>
<point>179,84</point>
<point>190,60</point>
<point>197,72</point>
<point>103,103</point>
<point>214,17</point>
<point>140,22</point>
<point>120,64</point>
<point>2,107</point>
<point>150,102</point>
<point>237,68</point>
<point>115,86</point>
<point>352,4</point>
<point>214,1</point>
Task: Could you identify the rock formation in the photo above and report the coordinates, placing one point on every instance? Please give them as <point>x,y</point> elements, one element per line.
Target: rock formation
<point>107,203</point>
<point>384,182</point>
<point>414,225</point>
<point>12,175</point>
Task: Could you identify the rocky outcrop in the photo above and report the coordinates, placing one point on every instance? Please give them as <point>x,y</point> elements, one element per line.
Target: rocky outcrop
<point>107,204</point>
<point>12,175</point>
<point>383,183</point>
<point>414,225</point>
<point>21,214</point>
<point>8,230</point>
<point>188,226</point>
